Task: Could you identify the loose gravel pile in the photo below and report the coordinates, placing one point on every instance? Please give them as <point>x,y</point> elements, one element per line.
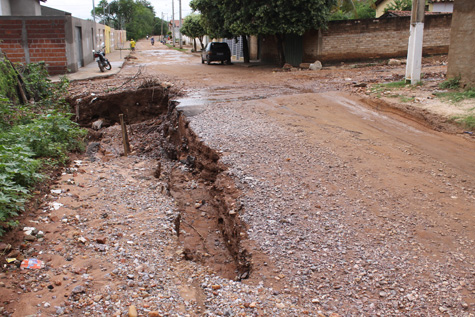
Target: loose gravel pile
<point>335,252</point>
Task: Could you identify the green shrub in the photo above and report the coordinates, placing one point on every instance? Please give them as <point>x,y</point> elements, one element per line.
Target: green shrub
<point>452,83</point>
<point>18,170</point>
<point>457,96</point>
<point>8,82</point>
<point>31,135</point>
<point>51,135</point>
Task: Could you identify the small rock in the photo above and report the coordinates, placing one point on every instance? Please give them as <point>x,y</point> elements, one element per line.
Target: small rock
<point>29,230</point>
<point>394,62</point>
<point>153,314</point>
<point>383,294</point>
<point>280,305</point>
<point>97,125</point>
<point>78,289</point>
<point>253,305</point>
<point>97,298</point>
<point>216,287</point>
<point>30,238</point>
<point>132,311</point>
<point>101,240</point>
<point>316,66</point>
<point>59,310</point>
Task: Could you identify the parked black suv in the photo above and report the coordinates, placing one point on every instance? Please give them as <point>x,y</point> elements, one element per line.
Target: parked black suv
<point>216,51</point>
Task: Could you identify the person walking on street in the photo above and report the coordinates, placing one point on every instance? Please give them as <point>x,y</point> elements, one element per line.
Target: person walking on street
<point>152,41</point>
<point>132,45</point>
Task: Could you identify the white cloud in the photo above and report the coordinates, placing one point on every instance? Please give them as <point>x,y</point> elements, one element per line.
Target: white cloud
<point>84,9</point>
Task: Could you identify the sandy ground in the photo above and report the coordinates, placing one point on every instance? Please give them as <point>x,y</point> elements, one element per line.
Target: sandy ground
<point>351,206</point>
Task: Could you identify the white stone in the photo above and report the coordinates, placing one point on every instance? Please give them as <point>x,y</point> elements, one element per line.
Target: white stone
<point>316,66</point>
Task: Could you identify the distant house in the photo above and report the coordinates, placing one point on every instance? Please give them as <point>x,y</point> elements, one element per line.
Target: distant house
<point>174,27</point>
<point>446,6</point>
<point>32,33</point>
<point>441,6</point>
<point>396,14</point>
<point>20,7</point>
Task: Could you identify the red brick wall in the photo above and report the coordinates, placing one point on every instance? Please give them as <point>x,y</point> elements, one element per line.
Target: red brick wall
<point>381,38</point>
<point>367,39</point>
<point>46,40</point>
<point>10,40</point>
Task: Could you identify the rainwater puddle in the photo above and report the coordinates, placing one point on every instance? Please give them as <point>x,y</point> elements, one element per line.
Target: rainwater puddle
<point>168,57</point>
<point>194,103</point>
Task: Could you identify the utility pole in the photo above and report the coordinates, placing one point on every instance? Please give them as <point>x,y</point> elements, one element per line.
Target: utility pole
<point>161,32</point>
<point>179,2</point>
<point>414,50</point>
<point>173,22</point>
<point>93,11</point>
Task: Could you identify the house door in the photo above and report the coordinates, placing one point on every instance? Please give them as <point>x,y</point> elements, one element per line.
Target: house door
<point>293,49</point>
<point>80,55</point>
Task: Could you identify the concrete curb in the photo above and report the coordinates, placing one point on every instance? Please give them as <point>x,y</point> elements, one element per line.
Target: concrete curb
<point>91,71</point>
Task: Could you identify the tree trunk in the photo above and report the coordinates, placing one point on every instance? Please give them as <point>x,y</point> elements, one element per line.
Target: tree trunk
<point>280,49</point>
<point>201,43</point>
<point>194,44</point>
<point>245,49</point>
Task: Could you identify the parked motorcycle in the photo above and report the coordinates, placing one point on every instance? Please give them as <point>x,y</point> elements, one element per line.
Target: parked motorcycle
<point>101,60</point>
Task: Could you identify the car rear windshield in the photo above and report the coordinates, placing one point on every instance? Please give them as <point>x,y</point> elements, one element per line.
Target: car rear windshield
<point>219,45</point>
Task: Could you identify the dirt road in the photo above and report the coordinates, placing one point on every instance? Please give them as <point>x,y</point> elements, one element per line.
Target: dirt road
<point>340,206</point>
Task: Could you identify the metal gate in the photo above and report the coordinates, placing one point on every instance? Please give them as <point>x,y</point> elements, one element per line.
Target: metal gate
<point>293,49</point>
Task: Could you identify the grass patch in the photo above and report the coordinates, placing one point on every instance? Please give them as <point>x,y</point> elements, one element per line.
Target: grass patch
<point>176,48</point>
<point>396,84</point>
<point>406,98</point>
<point>457,96</point>
<point>468,122</point>
<point>453,83</point>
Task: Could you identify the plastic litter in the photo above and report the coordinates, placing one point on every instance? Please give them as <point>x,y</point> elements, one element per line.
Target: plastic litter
<point>32,264</point>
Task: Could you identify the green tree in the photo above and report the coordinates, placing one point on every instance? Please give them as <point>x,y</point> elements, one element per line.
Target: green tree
<point>137,17</point>
<point>193,27</point>
<point>353,9</point>
<point>160,26</point>
<point>265,17</point>
<point>399,5</point>
<point>141,23</point>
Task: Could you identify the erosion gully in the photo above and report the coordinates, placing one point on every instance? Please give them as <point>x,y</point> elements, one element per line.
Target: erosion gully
<point>209,211</point>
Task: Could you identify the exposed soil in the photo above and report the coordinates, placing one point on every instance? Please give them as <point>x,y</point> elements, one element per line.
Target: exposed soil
<point>268,193</point>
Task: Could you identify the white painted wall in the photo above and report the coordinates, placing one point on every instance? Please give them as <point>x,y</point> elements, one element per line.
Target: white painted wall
<point>443,7</point>
<point>5,7</point>
<point>25,7</point>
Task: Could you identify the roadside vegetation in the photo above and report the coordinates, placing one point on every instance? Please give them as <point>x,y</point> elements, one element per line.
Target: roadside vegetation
<point>176,48</point>
<point>35,136</point>
<point>455,93</point>
<point>135,16</point>
<point>353,9</point>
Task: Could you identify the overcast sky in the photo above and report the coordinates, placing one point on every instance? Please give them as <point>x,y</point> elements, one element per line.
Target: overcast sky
<point>84,9</point>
